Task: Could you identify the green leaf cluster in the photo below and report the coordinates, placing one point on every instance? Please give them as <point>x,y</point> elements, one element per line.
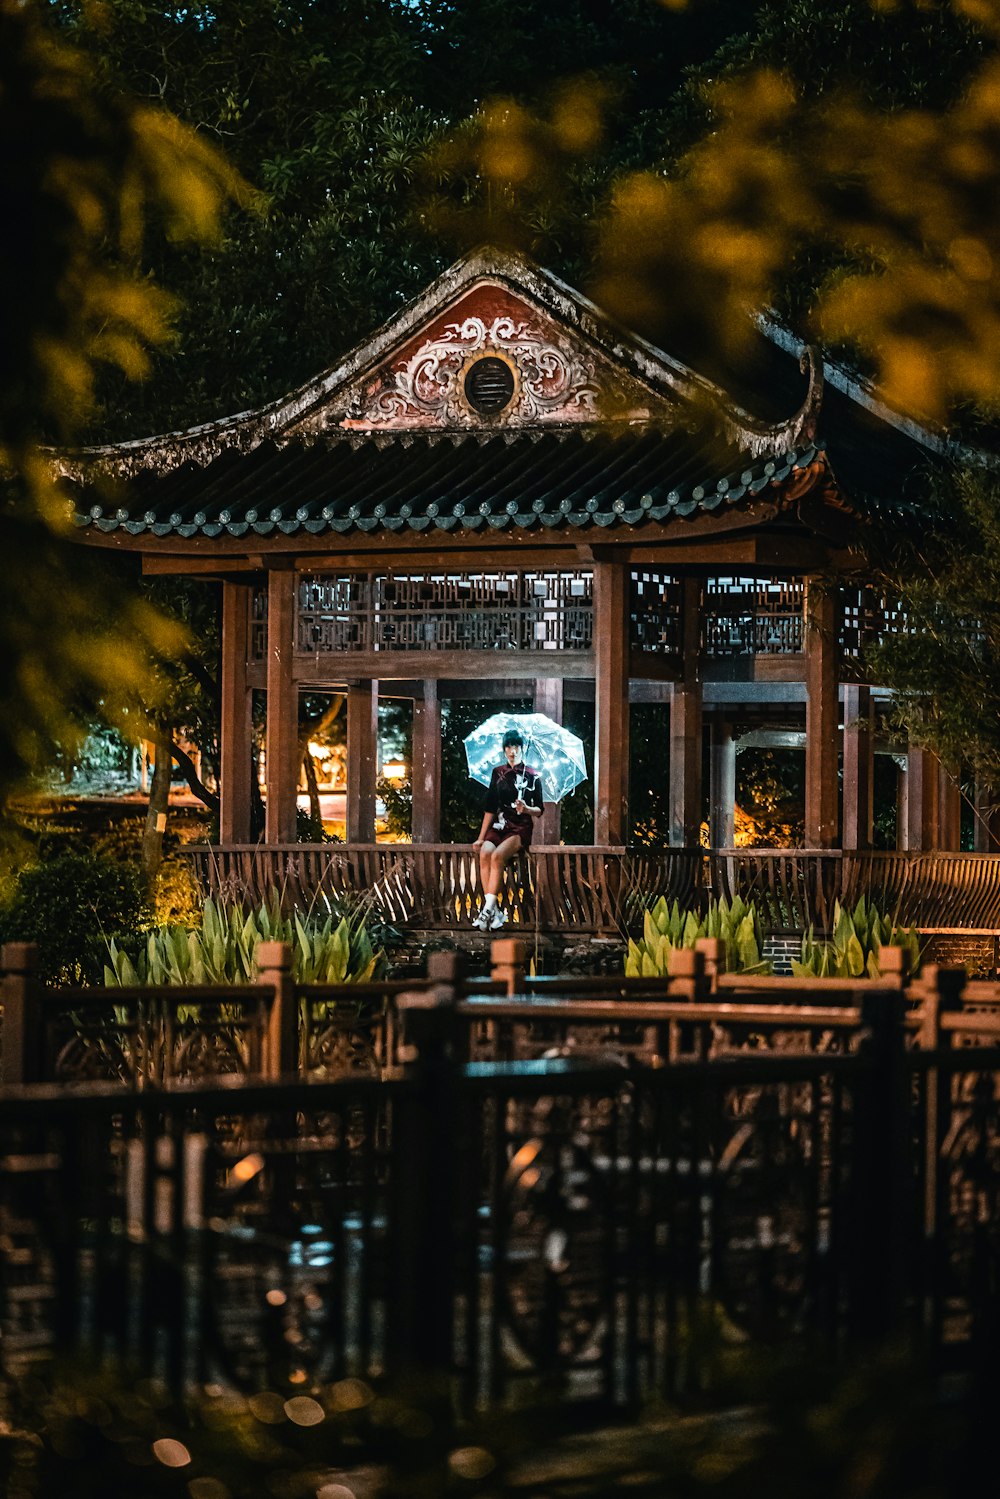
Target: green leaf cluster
<point>332,949</point>
<point>71,906</point>
<point>666,927</point>
<point>852,951</point>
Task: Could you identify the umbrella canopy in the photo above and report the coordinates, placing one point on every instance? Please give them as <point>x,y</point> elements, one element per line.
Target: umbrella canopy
<point>552,750</point>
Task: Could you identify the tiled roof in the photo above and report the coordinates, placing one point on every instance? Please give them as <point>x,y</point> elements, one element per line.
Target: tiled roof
<point>541,481</point>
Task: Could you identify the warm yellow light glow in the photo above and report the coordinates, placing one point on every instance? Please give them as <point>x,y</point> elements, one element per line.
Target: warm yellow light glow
<point>394,770</point>
<point>301,1410</point>
<point>170,1453</point>
<point>246,1169</point>
<point>319,751</point>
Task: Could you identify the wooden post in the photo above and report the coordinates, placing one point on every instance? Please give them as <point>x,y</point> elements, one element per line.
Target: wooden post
<point>426,766</point>
<point>859,766</point>
<point>430,1173</point>
<point>949,811</point>
<point>687,978</point>
<point>362,751</point>
<point>880,1245</point>
<point>282,710</point>
<point>274,969</point>
<point>713,951</point>
<point>822,717</point>
<point>922,800</point>
<point>21,1055</point>
<point>509,963</point>
<point>686,726</point>
<point>611,733</point>
<point>986,821</point>
<point>549,700</point>
<point>892,965</point>
<point>722,786</point>
<point>236,728</point>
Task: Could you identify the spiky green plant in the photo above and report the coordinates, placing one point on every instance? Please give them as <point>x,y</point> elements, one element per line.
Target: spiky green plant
<point>334,949</point>
<point>666,927</point>
<point>852,950</point>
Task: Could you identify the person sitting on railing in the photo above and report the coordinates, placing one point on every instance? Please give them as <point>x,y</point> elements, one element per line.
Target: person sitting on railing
<point>513,802</point>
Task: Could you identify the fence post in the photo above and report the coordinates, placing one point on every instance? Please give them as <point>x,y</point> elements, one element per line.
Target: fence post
<point>426,1137</point>
<point>882,1220</point>
<point>274,970</point>
<point>509,963</point>
<point>892,963</point>
<point>21,1060</point>
<point>687,974</point>
<point>713,950</point>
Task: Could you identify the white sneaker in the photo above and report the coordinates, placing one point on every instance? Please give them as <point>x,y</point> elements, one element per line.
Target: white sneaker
<point>498,919</point>
<point>482,921</point>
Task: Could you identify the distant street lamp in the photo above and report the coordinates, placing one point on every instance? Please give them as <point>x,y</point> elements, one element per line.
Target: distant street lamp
<point>394,770</point>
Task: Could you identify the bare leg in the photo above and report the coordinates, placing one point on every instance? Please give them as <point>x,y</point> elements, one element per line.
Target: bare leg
<point>500,856</point>
<point>486,866</point>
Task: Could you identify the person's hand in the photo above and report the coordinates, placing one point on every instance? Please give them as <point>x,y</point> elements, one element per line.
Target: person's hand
<point>519,807</point>
<point>478,844</point>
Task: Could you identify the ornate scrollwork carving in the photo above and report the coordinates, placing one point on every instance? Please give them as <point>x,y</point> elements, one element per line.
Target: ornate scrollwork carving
<point>549,377</point>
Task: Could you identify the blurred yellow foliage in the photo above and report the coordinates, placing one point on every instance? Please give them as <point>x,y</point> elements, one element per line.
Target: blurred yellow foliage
<point>83,174</point>
<point>905,205</point>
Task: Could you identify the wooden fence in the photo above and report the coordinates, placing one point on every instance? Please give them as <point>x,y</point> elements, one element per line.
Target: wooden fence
<point>541,1229</point>
<point>603,890</point>
<point>160,1036</point>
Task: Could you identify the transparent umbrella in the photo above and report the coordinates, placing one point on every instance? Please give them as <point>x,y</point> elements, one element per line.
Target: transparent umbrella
<point>550,749</point>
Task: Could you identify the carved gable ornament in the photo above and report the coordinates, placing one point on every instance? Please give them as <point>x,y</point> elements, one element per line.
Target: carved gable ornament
<point>492,360</point>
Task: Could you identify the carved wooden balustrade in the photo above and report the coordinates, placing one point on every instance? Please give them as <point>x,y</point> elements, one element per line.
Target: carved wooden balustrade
<point>588,890</point>
<point>591,890</point>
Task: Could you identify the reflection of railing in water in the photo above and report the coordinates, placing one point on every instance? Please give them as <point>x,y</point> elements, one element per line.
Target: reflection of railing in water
<point>602,890</point>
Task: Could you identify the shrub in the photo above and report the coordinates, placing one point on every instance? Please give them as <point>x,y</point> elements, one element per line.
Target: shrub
<point>334,949</point>
<point>72,906</point>
<point>666,927</point>
<point>853,948</point>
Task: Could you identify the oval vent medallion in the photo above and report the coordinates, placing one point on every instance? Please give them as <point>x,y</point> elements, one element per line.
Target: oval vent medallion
<point>489,385</point>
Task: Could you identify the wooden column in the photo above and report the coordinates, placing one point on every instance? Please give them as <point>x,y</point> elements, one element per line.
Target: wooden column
<point>426,766</point>
<point>549,700</point>
<point>822,717</point>
<point>859,766</point>
<point>282,711</point>
<point>235,729</point>
<point>611,678</point>
<point>686,726</point>
<point>949,811</point>
<point>362,750</point>
<point>722,786</point>
<point>920,829</point>
<point>986,823</point>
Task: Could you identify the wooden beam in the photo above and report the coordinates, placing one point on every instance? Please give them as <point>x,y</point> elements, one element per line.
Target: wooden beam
<point>282,710</point>
<point>549,700</point>
<point>235,729</point>
<point>859,766</point>
<point>686,727</point>
<point>611,729</point>
<point>362,751</point>
<point>426,766</point>
<point>822,717</point>
<point>334,667</point>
